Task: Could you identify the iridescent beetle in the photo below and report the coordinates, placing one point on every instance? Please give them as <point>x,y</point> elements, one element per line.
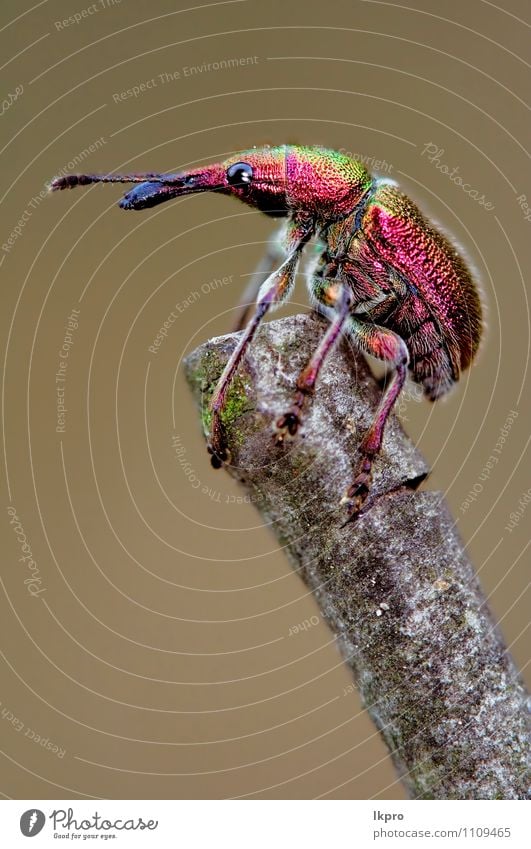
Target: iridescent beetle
<point>385,275</point>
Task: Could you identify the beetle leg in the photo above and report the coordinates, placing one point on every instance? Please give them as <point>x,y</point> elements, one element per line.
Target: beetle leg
<point>273,291</point>
<point>338,295</point>
<point>274,255</point>
<point>388,346</point>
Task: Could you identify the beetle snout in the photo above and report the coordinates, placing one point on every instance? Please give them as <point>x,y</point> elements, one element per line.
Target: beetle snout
<point>154,192</point>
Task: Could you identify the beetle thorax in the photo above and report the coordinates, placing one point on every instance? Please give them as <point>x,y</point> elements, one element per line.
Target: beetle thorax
<point>324,182</point>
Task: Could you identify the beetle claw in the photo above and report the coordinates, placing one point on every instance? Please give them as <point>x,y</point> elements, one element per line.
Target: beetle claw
<point>288,423</point>
<point>287,426</point>
<point>357,493</point>
<point>219,457</point>
<point>217,448</point>
<point>354,509</point>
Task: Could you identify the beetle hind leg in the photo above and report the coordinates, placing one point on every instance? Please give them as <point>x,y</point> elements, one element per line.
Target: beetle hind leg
<point>388,346</point>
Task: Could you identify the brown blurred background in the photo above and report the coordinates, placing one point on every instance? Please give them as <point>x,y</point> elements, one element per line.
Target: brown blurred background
<point>154,654</point>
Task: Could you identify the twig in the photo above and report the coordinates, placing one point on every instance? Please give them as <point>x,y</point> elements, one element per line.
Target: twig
<point>395,586</point>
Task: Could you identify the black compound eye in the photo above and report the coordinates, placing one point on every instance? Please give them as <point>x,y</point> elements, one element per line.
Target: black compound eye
<point>240,174</point>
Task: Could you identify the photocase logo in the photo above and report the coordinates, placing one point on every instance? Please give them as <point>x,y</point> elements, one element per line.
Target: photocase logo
<point>31,822</point>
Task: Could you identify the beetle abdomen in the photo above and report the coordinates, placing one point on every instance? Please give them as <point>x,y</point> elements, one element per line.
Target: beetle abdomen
<point>430,264</point>
<point>431,360</point>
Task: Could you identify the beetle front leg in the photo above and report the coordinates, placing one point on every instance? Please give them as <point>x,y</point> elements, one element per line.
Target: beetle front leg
<point>273,256</point>
<point>339,296</point>
<point>272,292</point>
<point>388,346</point>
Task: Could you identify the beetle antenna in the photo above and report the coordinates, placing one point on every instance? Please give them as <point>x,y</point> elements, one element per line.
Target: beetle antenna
<point>70,181</point>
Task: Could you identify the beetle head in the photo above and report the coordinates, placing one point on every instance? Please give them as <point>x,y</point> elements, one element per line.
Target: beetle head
<point>276,180</point>
<point>279,181</point>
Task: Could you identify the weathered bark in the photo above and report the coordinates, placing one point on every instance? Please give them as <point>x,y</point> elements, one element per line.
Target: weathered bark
<point>395,586</point>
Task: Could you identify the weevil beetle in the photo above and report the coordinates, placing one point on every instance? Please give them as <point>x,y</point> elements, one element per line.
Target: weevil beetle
<point>385,275</point>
